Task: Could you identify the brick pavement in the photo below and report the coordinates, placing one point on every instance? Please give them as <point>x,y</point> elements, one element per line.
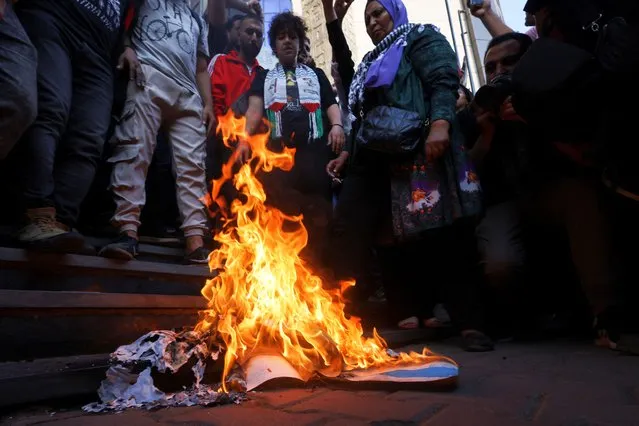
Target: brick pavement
<point>549,384</point>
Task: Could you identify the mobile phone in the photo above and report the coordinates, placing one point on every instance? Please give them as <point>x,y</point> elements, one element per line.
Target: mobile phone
<point>475,2</point>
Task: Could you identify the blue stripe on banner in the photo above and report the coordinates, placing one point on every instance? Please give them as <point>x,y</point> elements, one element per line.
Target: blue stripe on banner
<point>427,372</point>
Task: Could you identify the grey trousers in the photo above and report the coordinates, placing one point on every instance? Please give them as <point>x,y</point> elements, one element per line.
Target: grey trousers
<point>18,83</point>
<point>572,203</point>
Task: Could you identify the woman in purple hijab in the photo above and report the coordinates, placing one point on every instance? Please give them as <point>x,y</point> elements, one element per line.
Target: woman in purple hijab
<point>419,209</point>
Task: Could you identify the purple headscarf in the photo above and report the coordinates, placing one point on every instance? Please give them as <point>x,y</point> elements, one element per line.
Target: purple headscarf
<point>383,70</point>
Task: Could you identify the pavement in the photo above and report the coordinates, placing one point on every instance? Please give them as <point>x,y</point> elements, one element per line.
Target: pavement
<point>550,384</point>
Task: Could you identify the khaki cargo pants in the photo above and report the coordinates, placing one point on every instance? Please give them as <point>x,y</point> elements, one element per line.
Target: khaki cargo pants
<point>162,103</point>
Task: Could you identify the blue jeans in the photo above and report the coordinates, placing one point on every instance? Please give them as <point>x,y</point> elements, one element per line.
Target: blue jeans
<point>75,94</point>
<point>18,61</point>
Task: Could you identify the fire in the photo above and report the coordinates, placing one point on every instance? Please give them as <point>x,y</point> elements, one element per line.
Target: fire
<point>265,296</point>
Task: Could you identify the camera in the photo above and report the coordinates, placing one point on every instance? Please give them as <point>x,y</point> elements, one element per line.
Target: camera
<point>491,96</point>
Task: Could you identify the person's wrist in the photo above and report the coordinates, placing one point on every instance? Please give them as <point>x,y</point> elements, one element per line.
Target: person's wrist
<point>337,125</point>
<point>330,15</point>
<point>440,125</point>
<point>344,155</point>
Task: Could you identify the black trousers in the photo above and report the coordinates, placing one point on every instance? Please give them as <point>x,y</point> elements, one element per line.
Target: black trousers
<point>305,190</point>
<point>75,90</point>
<point>441,266</point>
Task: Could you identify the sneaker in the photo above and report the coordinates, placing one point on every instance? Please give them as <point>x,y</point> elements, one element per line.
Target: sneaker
<point>44,232</point>
<point>124,248</point>
<point>199,256</point>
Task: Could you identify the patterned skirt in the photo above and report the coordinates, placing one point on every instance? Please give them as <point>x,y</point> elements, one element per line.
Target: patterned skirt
<point>426,196</point>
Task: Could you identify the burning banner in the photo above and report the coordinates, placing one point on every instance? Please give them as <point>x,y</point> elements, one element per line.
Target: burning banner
<point>266,301</point>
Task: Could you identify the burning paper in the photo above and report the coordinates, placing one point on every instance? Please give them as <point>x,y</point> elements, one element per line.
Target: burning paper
<point>129,382</point>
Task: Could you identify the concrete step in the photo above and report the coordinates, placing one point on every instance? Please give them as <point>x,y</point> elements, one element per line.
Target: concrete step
<point>40,324</point>
<point>51,378</point>
<point>12,258</point>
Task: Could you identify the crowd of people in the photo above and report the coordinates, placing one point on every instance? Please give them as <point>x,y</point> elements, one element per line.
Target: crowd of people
<point>486,204</point>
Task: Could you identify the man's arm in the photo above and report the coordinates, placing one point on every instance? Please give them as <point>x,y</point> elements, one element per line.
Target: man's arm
<point>253,118</point>
<point>204,87</point>
<point>341,51</point>
<point>254,114</point>
<point>329,11</point>
<point>490,19</point>
<point>218,90</point>
<point>216,11</point>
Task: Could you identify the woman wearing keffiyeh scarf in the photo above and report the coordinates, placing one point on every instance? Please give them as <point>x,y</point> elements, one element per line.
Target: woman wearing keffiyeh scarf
<point>420,211</point>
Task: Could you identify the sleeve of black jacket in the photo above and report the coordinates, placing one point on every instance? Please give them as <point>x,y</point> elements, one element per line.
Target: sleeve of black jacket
<point>341,52</point>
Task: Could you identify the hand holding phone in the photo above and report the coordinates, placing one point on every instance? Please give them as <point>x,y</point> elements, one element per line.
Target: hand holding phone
<point>479,8</point>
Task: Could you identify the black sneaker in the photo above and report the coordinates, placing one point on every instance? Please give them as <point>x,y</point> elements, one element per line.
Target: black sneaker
<point>124,248</point>
<point>199,256</point>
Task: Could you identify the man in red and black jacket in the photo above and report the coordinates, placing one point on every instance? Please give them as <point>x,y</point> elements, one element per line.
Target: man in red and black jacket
<point>232,74</point>
<point>231,77</point>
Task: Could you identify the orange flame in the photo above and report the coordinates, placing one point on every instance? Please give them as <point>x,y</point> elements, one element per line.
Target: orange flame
<point>265,296</point>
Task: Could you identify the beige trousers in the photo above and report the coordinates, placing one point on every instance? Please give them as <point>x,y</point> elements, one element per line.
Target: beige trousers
<point>161,103</point>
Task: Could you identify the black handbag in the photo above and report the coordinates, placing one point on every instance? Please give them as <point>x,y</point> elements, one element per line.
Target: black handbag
<point>391,130</point>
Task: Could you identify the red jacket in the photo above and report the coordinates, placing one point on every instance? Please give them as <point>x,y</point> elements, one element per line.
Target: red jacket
<point>230,79</point>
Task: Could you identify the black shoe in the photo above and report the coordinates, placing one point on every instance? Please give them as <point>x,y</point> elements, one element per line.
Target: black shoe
<point>476,341</point>
<point>124,248</point>
<point>199,256</point>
